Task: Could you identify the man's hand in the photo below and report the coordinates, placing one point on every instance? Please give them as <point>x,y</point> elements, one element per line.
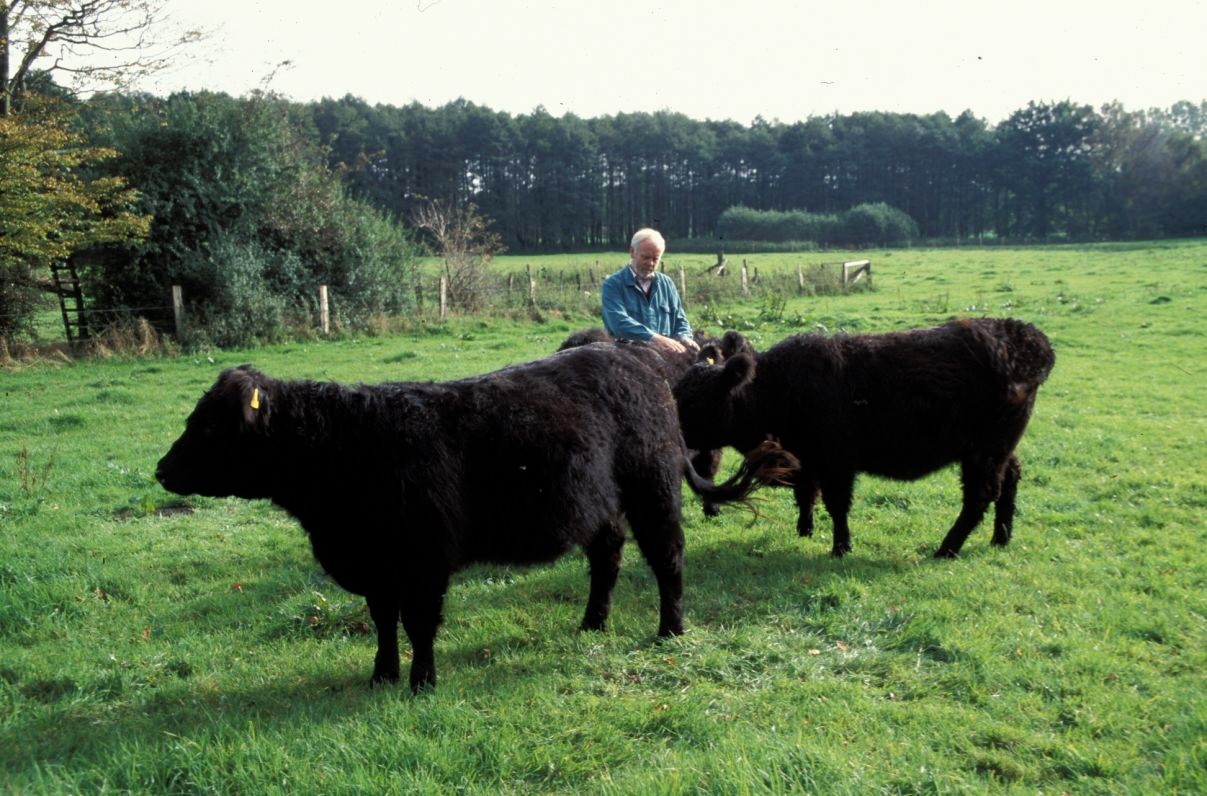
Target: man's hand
<point>663,343</point>
<point>690,344</point>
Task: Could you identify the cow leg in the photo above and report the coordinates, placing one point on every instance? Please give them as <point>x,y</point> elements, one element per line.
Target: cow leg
<point>981,479</point>
<point>1003,509</point>
<point>384,611</point>
<point>660,538</point>
<point>603,554</point>
<point>805,490</point>
<point>836,494</point>
<point>707,464</point>
<point>421,615</point>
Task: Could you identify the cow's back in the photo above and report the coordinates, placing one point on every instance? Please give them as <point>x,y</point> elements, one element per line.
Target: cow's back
<point>901,404</point>
<point>541,453</point>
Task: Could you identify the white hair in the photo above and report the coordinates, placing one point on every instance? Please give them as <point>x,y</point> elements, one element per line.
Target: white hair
<point>647,233</point>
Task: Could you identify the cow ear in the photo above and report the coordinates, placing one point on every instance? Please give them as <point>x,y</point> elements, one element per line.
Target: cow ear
<point>256,400</point>
<point>710,353</point>
<point>738,372</point>
<point>252,392</point>
<point>732,342</point>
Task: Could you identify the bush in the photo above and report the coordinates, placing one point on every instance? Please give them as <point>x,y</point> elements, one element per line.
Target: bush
<point>249,221</point>
<point>862,225</point>
<point>877,225</point>
<point>241,293</point>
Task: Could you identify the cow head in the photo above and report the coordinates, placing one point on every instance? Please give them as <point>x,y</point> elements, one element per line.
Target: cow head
<point>706,395</point>
<point>716,350</point>
<point>222,450</point>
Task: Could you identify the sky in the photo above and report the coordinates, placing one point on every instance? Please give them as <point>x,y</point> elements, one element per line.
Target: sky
<point>778,59</point>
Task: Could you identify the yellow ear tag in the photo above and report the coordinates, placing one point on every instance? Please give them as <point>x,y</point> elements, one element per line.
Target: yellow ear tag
<point>710,360</point>
<point>255,398</point>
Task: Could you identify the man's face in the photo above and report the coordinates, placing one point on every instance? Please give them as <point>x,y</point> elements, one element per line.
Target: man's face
<point>646,257</point>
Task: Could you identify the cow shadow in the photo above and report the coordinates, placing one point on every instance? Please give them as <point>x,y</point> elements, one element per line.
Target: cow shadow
<point>728,580</point>
<point>70,728</point>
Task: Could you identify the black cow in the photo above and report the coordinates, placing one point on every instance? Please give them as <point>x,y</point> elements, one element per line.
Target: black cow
<point>399,485</point>
<point>899,405</point>
<point>672,366</point>
<point>586,337</point>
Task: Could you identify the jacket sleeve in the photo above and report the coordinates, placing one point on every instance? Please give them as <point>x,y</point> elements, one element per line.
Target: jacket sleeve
<point>616,318</point>
<point>680,328</point>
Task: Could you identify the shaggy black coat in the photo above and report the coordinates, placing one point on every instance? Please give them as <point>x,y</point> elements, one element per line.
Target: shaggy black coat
<point>400,485</point>
<point>586,337</point>
<point>899,405</point>
<point>672,367</point>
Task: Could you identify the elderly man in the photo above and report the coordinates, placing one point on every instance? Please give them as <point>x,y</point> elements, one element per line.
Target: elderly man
<point>639,303</point>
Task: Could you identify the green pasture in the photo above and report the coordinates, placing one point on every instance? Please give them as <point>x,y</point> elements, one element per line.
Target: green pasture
<point>152,643</point>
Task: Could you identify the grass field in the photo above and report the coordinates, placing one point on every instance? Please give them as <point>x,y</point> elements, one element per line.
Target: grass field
<point>153,643</point>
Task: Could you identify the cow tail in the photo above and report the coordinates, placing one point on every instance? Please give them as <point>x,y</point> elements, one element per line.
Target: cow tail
<point>767,464</point>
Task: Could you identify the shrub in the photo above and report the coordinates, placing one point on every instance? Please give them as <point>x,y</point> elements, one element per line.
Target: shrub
<point>862,225</point>
<point>249,220</point>
<point>877,225</point>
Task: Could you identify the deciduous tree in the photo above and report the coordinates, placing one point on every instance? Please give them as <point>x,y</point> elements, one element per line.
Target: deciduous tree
<point>49,208</point>
<point>92,43</point>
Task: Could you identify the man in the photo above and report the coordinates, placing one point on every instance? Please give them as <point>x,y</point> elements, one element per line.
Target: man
<point>639,303</point>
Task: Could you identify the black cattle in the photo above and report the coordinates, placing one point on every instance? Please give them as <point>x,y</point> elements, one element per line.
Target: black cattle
<point>672,366</point>
<point>899,405</point>
<point>399,485</point>
<point>585,337</point>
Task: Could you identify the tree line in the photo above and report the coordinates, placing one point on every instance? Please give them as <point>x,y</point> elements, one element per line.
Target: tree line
<point>1050,171</point>
<point>252,202</point>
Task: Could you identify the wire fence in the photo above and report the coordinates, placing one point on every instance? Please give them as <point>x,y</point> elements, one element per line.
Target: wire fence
<point>577,289</point>
<point>572,291</point>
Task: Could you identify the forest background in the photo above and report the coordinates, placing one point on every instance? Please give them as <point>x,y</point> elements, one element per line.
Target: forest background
<point>247,206</point>
<point>252,202</point>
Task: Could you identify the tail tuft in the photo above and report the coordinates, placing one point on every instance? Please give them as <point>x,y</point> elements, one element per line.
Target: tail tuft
<point>767,465</point>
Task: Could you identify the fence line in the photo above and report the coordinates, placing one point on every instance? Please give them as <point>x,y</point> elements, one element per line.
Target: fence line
<point>567,289</point>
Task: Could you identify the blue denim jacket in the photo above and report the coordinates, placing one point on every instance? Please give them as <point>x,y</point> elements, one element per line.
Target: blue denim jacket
<point>628,314</point>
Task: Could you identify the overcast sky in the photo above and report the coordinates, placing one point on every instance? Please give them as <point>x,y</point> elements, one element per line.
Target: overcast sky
<point>737,60</point>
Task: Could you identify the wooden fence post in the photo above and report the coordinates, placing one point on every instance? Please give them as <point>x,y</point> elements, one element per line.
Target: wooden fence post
<point>324,311</point>
<point>443,297</point>
<point>682,284</point>
<point>178,310</point>
<point>800,279</point>
<point>419,294</point>
<point>852,270</point>
<point>745,280</point>
<point>531,290</point>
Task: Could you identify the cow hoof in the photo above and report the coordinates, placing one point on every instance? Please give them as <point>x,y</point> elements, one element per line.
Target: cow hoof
<point>383,678</point>
<point>596,626</point>
<point>668,632</point>
<point>943,552</point>
<point>712,510</point>
<point>839,552</point>
<point>423,683</point>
